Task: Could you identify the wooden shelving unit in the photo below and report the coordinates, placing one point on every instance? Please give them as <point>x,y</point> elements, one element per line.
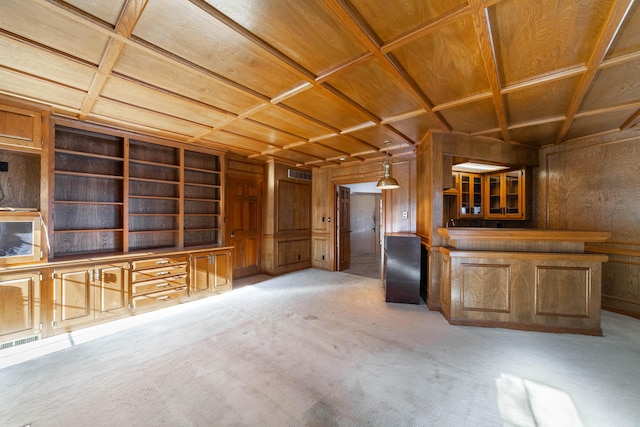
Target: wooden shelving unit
<point>202,198</point>
<point>154,196</point>
<point>88,192</point>
<point>116,194</point>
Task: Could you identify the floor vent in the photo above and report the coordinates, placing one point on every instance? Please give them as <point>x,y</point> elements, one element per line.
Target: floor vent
<point>21,341</point>
<point>292,173</point>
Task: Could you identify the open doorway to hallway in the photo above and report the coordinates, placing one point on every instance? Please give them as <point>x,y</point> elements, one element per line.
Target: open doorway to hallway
<point>365,229</point>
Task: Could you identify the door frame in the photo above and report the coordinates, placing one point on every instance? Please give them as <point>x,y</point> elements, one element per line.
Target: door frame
<point>336,231</point>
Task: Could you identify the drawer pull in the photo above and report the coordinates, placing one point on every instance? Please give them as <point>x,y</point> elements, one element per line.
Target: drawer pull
<point>162,273</point>
<point>162,285</point>
<point>162,262</point>
<point>162,298</point>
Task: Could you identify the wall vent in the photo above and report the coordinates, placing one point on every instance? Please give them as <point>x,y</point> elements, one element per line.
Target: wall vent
<point>292,173</point>
<point>18,342</point>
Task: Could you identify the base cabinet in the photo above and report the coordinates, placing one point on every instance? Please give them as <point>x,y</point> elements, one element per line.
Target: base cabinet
<point>19,307</point>
<point>210,272</point>
<point>84,294</point>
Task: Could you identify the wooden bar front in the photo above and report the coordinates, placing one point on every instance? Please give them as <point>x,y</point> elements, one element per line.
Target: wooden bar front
<point>522,279</point>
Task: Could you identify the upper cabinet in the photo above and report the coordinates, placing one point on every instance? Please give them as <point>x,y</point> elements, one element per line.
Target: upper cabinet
<point>505,195</point>
<point>470,195</point>
<point>20,128</point>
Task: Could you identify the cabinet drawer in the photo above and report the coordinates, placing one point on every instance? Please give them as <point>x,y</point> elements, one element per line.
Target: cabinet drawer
<point>156,285</point>
<point>141,301</point>
<point>157,262</point>
<point>159,273</point>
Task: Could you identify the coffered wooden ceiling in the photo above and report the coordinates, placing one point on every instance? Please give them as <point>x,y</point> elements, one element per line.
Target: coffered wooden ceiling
<point>311,82</point>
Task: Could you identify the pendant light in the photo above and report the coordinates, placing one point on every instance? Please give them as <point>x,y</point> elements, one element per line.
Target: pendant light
<point>387,182</point>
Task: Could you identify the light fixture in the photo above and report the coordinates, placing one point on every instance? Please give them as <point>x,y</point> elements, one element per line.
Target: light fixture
<point>387,182</point>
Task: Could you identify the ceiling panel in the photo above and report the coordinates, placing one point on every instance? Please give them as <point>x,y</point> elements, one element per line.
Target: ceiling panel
<point>232,140</point>
<point>38,90</point>
<point>628,38</point>
<point>382,95</point>
<point>126,113</point>
<point>590,124</point>
<point>614,85</point>
<point>417,127</point>
<point>347,144</point>
<point>376,136</point>
<point>322,44</point>
<point>533,38</point>
<point>261,132</point>
<point>107,11</point>
<point>294,156</point>
<point>28,60</point>
<point>170,75</point>
<point>318,151</point>
<point>290,122</point>
<point>538,135</point>
<point>447,65</point>
<point>327,108</point>
<point>212,45</point>
<point>473,117</point>
<point>48,25</point>
<point>153,100</point>
<point>391,19</point>
<point>540,101</point>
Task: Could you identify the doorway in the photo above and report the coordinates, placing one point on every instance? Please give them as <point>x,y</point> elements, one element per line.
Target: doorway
<point>362,215</point>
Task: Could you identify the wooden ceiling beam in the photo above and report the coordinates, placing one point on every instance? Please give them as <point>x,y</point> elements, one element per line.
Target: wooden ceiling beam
<point>129,16</point>
<point>485,43</point>
<point>618,13</point>
<point>545,78</point>
<point>631,121</point>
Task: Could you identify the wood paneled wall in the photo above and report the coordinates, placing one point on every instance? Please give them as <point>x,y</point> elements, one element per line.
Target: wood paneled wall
<point>395,202</point>
<point>287,237</point>
<point>593,184</point>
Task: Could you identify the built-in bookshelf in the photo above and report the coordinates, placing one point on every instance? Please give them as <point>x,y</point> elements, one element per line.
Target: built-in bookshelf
<point>117,194</point>
<point>88,192</point>
<point>202,198</point>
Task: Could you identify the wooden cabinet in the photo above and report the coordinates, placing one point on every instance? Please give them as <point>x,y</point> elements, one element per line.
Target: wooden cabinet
<point>19,307</point>
<point>470,195</point>
<point>83,294</point>
<point>158,280</point>
<point>505,195</point>
<point>20,128</point>
<point>210,272</point>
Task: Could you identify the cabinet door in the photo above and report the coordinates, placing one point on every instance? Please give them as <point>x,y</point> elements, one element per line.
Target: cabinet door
<point>19,127</point>
<point>201,277</point>
<point>222,270</point>
<point>111,290</point>
<point>470,190</point>
<point>19,306</point>
<point>73,297</point>
<point>505,195</point>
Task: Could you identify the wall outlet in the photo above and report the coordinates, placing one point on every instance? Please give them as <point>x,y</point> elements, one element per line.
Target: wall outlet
<point>4,166</point>
<point>405,215</point>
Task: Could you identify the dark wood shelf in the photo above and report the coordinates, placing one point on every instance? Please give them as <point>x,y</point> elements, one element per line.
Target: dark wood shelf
<point>89,175</point>
<point>92,155</point>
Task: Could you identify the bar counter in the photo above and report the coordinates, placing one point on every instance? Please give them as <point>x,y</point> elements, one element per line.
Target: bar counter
<point>532,279</point>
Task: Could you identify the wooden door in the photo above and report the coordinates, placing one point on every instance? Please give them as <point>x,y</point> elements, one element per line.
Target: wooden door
<point>364,224</point>
<point>243,228</point>
<point>343,239</point>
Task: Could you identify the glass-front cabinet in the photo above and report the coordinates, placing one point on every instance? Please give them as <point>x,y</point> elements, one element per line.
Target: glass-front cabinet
<point>504,197</point>
<point>470,186</point>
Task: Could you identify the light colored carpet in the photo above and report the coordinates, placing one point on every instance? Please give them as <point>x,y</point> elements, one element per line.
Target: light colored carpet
<point>315,348</point>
